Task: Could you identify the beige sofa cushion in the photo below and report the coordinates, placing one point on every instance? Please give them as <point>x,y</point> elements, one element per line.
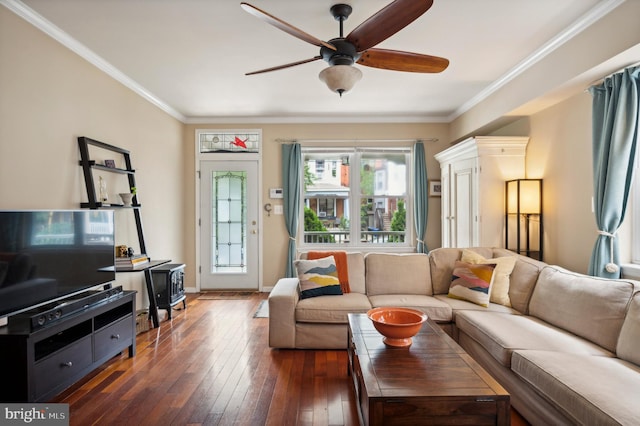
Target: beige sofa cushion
<point>629,341</point>
<point>592,390</point>
<point>591,307</point>
<point>435,309</point>
<point>355,262</point>
<point>501,334</point>
<point>462,305</point>
<point>331,309</point>
<point>397,274</point>
<point>522,280</point>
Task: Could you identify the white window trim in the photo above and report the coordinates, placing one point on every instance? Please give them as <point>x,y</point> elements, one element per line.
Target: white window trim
<point>632,270</point>
<point>635,213</point>
<point>354,208</point>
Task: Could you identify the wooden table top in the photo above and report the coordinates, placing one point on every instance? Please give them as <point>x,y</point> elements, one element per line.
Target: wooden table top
<point>433,366</point>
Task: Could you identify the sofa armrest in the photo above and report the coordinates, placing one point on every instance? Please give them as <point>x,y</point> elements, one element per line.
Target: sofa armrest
<point>282,313</point>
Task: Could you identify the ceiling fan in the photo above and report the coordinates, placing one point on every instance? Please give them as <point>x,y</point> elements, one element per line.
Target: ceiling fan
<point>358,46</point>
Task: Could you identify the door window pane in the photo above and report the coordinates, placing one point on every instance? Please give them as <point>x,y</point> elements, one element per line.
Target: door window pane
<point>229,221</point>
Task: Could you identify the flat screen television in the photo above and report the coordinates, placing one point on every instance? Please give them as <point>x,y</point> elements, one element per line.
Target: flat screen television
<point>47,255</point>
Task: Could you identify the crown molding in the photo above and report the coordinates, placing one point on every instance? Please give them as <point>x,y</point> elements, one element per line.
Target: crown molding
<point>314,119</point>
<point>47,27</point>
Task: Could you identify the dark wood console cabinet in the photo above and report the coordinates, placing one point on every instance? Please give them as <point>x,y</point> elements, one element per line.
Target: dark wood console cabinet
<point>37,365</point>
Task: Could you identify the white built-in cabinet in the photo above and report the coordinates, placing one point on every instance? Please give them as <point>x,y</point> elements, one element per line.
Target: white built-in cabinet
<point>473,175</point>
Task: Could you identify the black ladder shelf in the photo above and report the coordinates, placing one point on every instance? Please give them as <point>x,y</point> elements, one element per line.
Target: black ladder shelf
<point>88,166</point>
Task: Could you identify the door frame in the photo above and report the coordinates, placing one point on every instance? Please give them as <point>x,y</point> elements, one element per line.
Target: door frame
<point>211,156</point>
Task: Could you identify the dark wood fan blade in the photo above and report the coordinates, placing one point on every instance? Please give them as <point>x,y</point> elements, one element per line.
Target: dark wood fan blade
<point>402,61</point>
<point>279,67</point>
<point>386,22</point>
<point>282,25</point>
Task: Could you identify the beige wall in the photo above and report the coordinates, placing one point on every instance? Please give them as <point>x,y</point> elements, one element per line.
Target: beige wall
<point>48,97</point>
<point>274,233</point>
<point>560,153</point>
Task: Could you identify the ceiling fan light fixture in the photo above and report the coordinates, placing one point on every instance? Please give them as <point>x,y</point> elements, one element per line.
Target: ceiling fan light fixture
<point>340,78</point>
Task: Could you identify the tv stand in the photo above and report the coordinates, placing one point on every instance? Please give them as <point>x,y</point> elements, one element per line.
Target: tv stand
<point>37,365</point>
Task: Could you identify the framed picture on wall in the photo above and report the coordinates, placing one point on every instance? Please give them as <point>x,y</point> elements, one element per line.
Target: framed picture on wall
<point>435,188</point>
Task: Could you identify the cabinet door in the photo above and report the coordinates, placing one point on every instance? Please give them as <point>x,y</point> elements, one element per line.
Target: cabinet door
<point>463,203</point>
<point>447,216</point>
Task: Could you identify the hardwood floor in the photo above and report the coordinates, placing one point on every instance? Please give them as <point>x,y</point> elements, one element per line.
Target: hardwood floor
<point>211,365</point>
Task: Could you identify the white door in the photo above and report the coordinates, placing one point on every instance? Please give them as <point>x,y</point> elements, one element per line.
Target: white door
<point>464,215</point>
<point>447,213</point>
<point>229,225</point>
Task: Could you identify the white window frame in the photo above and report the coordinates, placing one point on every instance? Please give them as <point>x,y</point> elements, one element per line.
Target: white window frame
<point>354,155</point>
<point>635,213</point>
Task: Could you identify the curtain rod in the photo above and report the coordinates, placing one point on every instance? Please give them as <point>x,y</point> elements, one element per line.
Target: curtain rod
<point>294,140</point>
<point>600,80</point>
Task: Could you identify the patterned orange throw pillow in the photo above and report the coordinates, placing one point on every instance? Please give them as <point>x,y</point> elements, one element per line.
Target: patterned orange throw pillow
<point>341,264</point>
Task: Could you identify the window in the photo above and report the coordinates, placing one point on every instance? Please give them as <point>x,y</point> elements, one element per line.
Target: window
<point>326,207</point>
<point>364,201</point>
<point>319,169</point>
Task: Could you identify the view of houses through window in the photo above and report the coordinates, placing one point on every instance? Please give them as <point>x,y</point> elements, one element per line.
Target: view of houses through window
<point>356,196</point>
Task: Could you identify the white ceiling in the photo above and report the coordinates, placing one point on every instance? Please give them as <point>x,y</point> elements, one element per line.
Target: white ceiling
<point>189,56</point>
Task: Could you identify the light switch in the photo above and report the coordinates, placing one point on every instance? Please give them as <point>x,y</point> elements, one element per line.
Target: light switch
<point>277,209</point>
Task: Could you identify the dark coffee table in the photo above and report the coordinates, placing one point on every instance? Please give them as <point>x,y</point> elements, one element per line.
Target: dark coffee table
<point>433,381</point>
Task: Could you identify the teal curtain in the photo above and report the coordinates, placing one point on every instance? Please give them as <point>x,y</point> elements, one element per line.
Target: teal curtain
<point>421,197</point>
<point>291,178</point>
<point>615,107</point>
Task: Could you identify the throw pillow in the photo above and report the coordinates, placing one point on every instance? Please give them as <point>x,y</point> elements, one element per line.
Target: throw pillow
<point>504,268</point>
<point>341,264</point>
<point>318,277</point>
<point>471,282</point>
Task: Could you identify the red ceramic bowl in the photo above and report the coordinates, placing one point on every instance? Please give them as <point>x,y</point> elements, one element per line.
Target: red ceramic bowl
<point>397,325</point>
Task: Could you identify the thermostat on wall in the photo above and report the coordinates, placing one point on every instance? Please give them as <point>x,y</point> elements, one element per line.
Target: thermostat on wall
<point>275,193</point>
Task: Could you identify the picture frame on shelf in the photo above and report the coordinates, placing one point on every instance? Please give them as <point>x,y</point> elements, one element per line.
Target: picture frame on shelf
<point>435,188</point>
<point>110,163</point>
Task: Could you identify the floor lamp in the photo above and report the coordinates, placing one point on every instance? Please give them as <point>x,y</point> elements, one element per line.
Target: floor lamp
<point>523,217</point>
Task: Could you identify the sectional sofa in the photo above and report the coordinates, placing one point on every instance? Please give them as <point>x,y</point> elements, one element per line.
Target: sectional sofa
<point>565,345</point>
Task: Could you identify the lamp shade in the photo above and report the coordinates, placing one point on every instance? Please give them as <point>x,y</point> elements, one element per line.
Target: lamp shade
<point>523,230</point>
<point>524,196</point>
<point>340,78</point>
